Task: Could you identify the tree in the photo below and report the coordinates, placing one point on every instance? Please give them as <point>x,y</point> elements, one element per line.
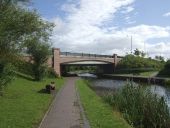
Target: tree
<point>132,63</point>
<point>40,53</point>
<point>143,54</point>
<point>160,58</point>
<point>17,25</point>
<point>166,70</point>
<point>11,33</point>
<point>137,52</point>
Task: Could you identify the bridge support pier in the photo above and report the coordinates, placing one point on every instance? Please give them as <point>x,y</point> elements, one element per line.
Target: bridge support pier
<point>115,61</point>
<point>56,61</point>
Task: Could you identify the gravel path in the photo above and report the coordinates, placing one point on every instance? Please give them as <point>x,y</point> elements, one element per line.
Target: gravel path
<point>64,111</point>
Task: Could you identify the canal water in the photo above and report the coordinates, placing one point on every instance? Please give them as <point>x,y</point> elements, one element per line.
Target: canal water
<point>109,84</point>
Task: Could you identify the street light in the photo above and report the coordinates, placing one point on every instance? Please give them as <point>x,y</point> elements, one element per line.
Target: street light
<point>131,43</point>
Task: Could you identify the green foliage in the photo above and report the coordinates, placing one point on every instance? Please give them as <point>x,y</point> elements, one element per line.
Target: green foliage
<point>166,70</point>
<point>160,58</point>
<point>7,2</point>
<point>167,82</point>
<point>18,25</point>
<point>51,73</point>
<point>131,63</point>
<point>140,107</point>
<point>40,53</point>
<point>99,114</point>
<point>24,67</point>
<point>137,52</point>
<point>6,75</point>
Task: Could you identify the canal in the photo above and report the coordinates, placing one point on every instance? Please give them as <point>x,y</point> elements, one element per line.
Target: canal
<point>108,84</point>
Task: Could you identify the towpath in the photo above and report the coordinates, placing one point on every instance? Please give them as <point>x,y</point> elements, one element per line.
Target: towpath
<point>65,110</point>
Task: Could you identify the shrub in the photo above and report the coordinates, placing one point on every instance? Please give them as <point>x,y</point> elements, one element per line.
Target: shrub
<point>166,70</point>
<point>39,71</point>
<point>167,82</point>
<point>140,107</point>
<point>137,64</point>
<point>51,73</point>
<point>6,75</point>
<point>40,52</point>
<point>24,67</point>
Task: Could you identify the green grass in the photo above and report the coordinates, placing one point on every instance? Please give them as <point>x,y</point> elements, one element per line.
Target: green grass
<point>22,105</point>
<point>149,73</point>
<point>99,113</point>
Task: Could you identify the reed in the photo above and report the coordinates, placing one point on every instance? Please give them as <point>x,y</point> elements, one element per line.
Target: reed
<point>140,107</point>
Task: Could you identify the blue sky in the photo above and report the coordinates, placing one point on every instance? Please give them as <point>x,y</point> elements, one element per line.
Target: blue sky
<point>104,26</point>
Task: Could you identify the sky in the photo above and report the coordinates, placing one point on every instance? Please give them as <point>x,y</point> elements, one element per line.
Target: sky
<point>106,26</point>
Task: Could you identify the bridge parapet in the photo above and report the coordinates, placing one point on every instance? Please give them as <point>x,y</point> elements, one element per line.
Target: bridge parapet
<point>84,55</point>
<point>68,59</point>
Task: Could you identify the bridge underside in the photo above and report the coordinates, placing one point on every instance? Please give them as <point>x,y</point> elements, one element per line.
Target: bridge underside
<point>86,62</point>
<point>100,68</point>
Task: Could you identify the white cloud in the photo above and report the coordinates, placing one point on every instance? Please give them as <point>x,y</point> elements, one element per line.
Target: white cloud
<point>147,32</point>
<point>128,9</point>
<point>161,49</point>
<point>166,14</point>
<point>129,20</point>
<point>95,12</point>
<point>83,31</point>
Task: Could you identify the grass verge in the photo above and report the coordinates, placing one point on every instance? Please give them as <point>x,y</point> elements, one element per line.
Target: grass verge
<point>151,73</point>
<point>24,103</point>
<point>145,74</point>
<point>99,113</point>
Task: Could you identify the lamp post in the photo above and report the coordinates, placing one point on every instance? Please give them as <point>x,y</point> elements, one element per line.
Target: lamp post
<point>131,41</point>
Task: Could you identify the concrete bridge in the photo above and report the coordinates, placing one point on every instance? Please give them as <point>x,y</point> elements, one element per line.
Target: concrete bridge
<point>61,59</point>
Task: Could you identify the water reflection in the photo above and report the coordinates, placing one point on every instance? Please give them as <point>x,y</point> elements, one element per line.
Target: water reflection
<point>162,91</point>
<point>117,84</point>
<point>109,84</point>
<point>87,75</point>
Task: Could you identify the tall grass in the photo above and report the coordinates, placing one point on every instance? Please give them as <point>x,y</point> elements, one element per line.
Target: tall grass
<point>140,107</point>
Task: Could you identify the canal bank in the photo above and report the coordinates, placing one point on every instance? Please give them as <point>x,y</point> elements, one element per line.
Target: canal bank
<point>99,113</point>
<point>107,83</point>
<point>106,87</point>
<point>138,79</point>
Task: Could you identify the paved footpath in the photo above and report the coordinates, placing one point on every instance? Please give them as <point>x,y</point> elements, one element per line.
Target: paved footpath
<point>65,110</point>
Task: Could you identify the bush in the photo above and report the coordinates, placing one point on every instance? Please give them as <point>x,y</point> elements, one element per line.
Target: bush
<point>167,82</point>
<point>141,108</point>
<point>6,75</point>
<point>40,52</point>
<point>24,67</point>
<point>40,71</point>
<point>166,70</point>
<point>51,73</point>
<point>136,64</point>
